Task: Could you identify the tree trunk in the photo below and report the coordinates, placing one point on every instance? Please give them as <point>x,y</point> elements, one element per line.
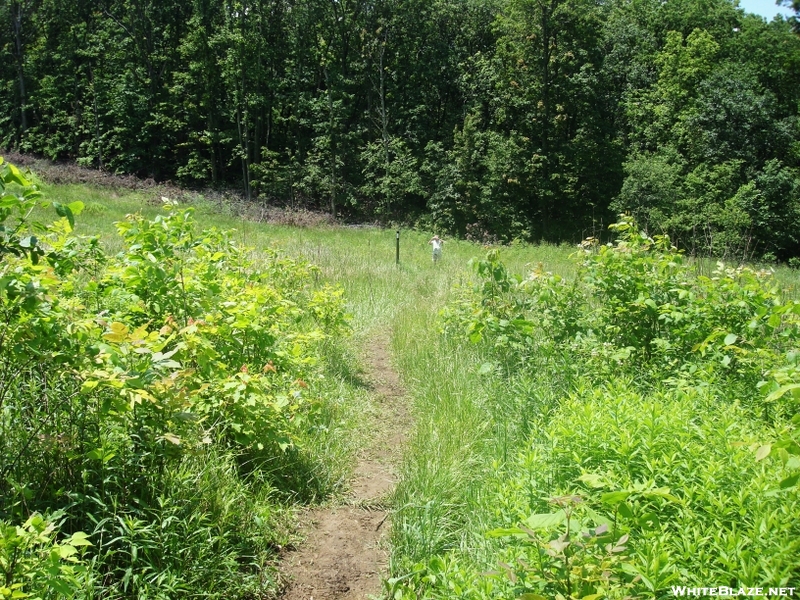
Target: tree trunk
<point>213,145</point>
<point>16,22</point>
<point>96,119</point>
<point>385,125</point>
<point>243,145</point>
<point>332,141</point>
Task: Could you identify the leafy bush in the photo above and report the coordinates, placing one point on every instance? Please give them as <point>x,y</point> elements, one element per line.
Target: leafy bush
<point>686,488</point>
<point>161,398</point>
<point>654,399</point>
<point>33,564</point>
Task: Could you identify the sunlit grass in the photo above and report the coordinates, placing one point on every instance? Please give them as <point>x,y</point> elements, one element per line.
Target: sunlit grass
<point>461,433</point>
<point>361,259</point>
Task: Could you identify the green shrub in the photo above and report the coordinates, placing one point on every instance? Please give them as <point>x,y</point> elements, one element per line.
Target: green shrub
<point>34,564</point>
<point>161,398</point>
<point>652,398</point>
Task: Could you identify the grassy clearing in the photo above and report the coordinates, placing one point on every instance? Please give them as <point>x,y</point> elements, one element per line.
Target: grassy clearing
<point>361,259</point>
<point>494,436</point>
<point>623,411</point>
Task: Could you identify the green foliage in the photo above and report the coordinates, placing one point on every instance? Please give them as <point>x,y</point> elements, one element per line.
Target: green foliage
<point>19,197</point>
<point>493,119</point>
<point>639,426</point>
<point>33,564</point>
<point>579,562</point>
<point>391,172</point>
<point>162,398</point>
<point>702,166</point>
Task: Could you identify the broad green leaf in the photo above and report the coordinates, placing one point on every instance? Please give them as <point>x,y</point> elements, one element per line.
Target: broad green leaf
<point>15,175</point>
<point>546,520</point>
<point>61,587</point>
<point>781,391</point>
<point>663,492</point>
<point>630,569</point>
<point>76,207</point>
<point>790,481</point>
<point>789,445</point>
<point>649,521</point>
<point>31,193</point>
<point>9,200</point>
<point>88,386</point>
<point>63,210</point>
<point>79,538</point>
<point>101,455</point>
<point>625,510</point>
<point>731,339</point>
<point>614,497</point>
<point>593,480</point>
<point>524,325</point>
<point>763,452</point>
<point>118,333</point>
<point>504,532</point>
<point>66,550</point>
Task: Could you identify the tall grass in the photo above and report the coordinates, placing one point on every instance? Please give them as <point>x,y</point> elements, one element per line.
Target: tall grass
<point>647,440</point>
<point>470,465</point>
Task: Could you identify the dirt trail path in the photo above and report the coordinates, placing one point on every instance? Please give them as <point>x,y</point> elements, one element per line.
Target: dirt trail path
<point>343,556</point>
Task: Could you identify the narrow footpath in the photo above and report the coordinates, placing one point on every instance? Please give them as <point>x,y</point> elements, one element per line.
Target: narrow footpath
<point>344,554</point>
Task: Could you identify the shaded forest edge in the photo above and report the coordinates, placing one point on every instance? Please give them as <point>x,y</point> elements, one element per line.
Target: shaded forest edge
<point>488,119</point>
<point>226,201</point>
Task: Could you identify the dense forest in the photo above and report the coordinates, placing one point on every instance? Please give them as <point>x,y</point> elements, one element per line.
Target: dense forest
<point>491,119</point>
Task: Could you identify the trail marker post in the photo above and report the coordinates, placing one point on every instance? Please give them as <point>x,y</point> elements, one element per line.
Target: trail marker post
<point>397,249</point>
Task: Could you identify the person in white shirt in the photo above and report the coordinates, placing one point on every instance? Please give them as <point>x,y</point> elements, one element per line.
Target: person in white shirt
<point>437,247</point>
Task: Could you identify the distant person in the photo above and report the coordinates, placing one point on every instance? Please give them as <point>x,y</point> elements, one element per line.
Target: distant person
<point>437,248</point>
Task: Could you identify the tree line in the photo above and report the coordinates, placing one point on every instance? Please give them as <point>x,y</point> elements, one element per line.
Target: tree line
<point>491,119</point>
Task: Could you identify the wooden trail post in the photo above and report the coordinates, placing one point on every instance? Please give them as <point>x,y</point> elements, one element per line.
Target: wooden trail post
<point>397,249</point>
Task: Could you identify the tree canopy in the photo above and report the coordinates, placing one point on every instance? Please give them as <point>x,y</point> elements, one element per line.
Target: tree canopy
<point>507,119</point>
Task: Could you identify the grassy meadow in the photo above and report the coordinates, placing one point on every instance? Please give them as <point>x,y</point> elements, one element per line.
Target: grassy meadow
<point>560,449</point>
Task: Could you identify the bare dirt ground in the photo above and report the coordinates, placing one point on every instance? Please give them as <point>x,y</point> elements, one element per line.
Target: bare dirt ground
<point>344,554</point>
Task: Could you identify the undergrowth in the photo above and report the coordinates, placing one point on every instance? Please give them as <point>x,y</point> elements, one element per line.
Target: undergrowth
<point>610,435</point>
<point>159,407</point>
<point>615,427</point>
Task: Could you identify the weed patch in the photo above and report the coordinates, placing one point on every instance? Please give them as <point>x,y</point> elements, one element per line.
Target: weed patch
<point>156,404</point>
<point>617,436</point>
